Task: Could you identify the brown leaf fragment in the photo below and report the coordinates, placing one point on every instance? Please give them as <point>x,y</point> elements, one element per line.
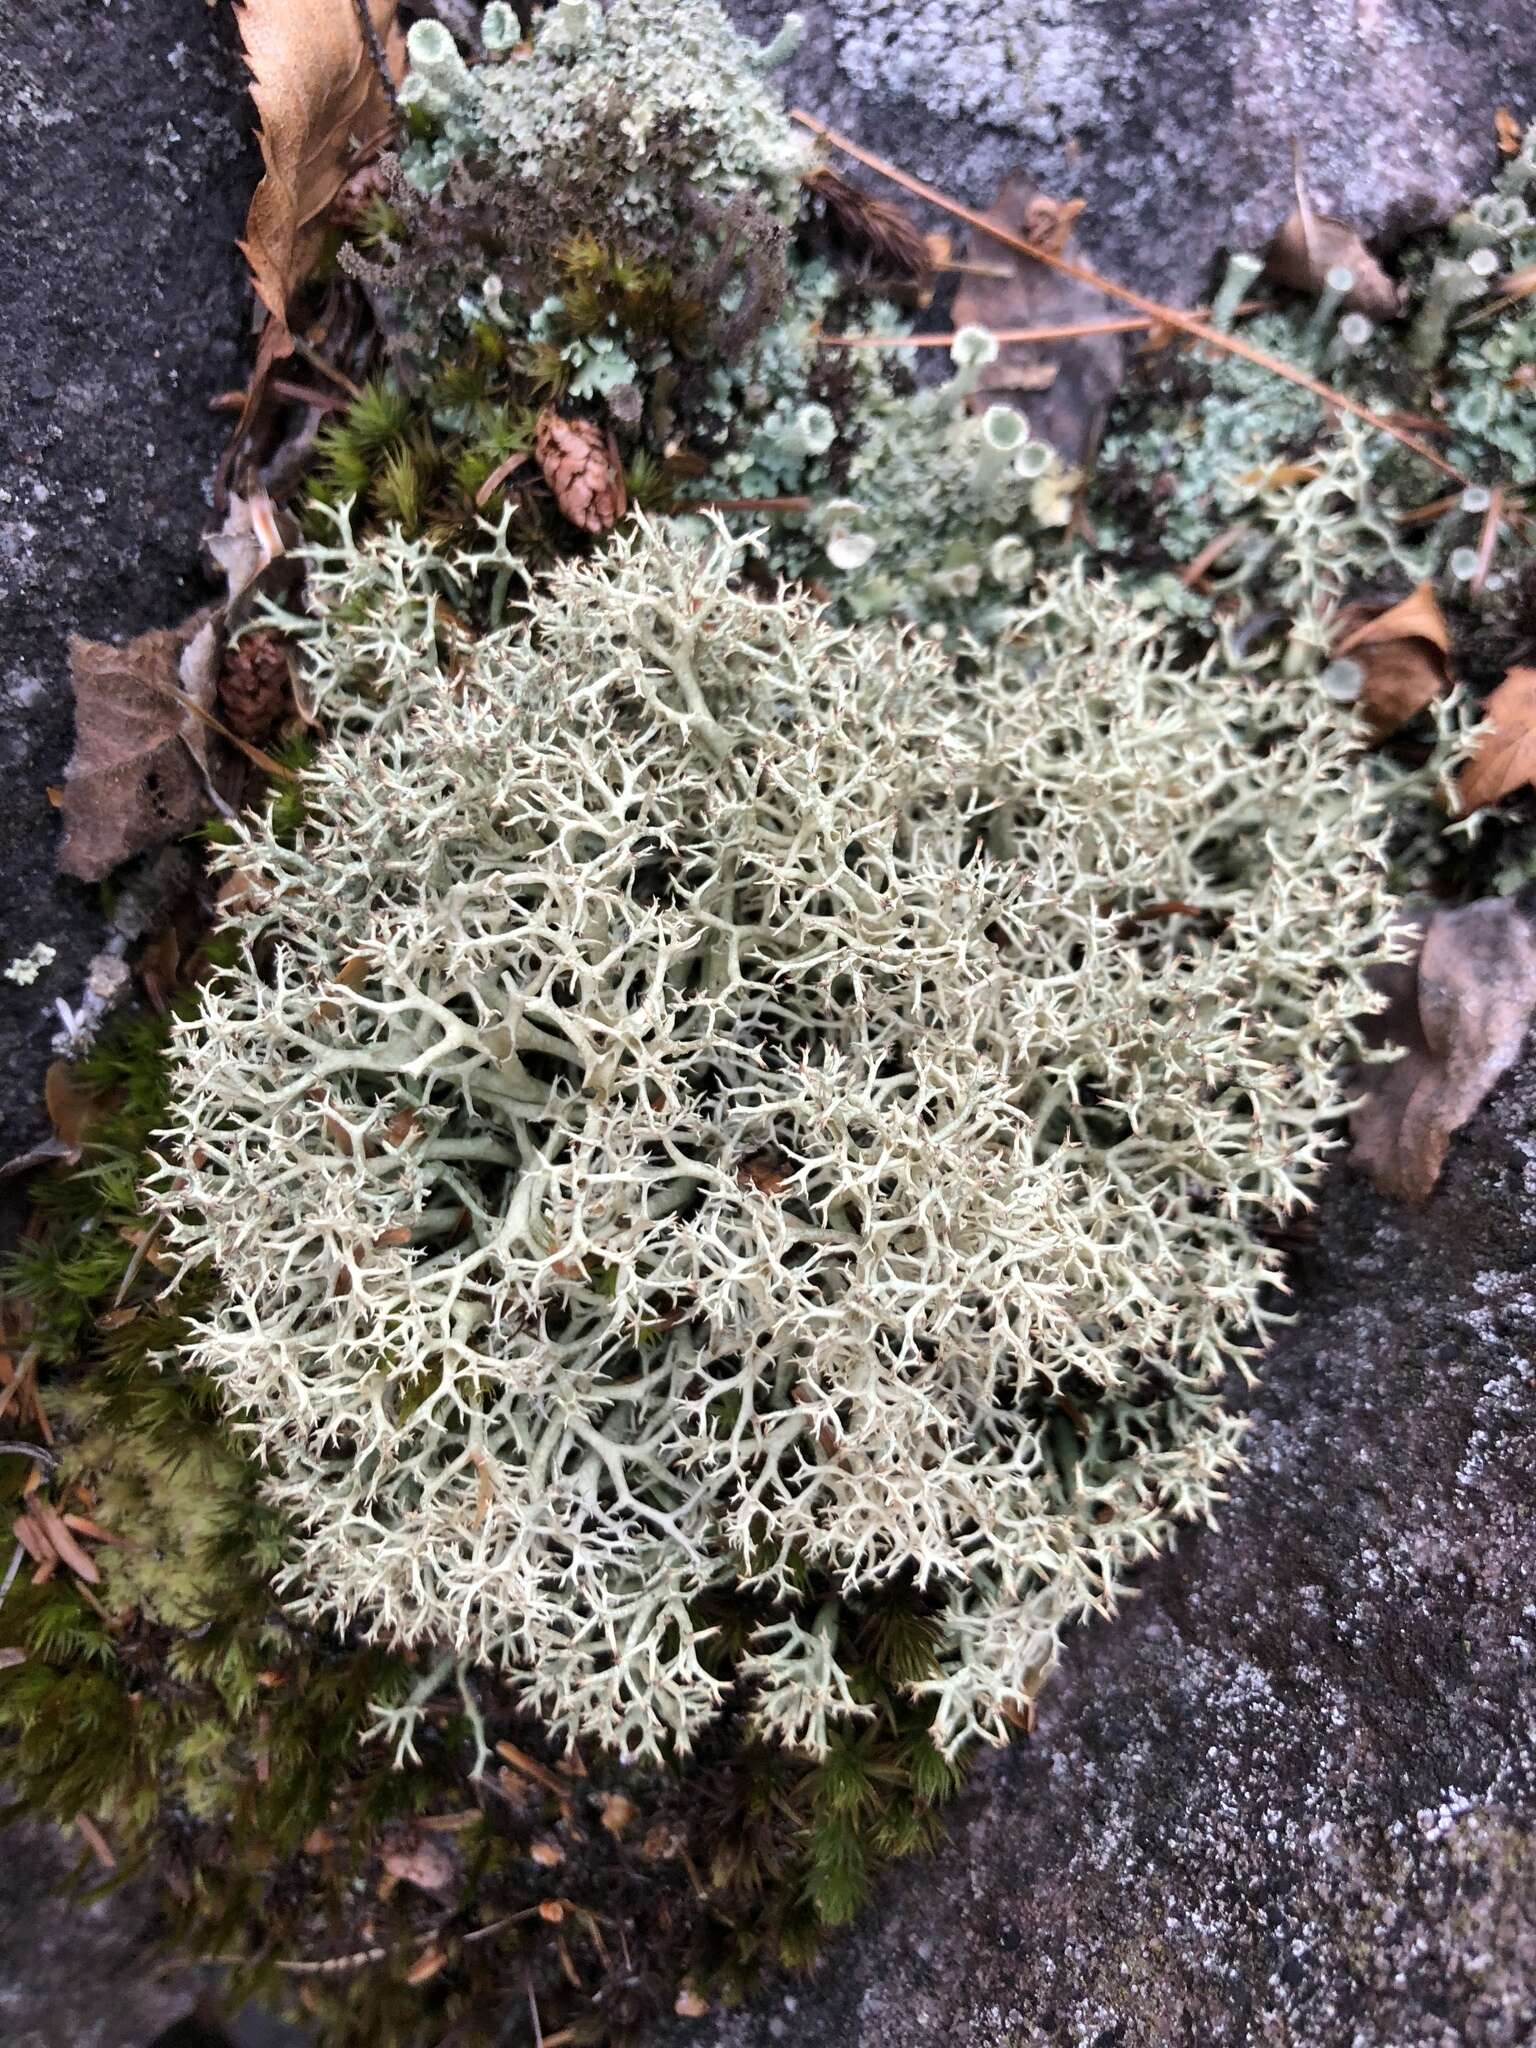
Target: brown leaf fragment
<point>1506,131</point>
<point>1063,388</point>
<point>618,1814</point>
<point>321,105</point>
<point>580,461</point>
<point>1505,756</point>
<point>1310,244</point>
<point>1404,650</point>
<point>1460,1011</point>
<point>133,781</point>
<point>71,1109</point>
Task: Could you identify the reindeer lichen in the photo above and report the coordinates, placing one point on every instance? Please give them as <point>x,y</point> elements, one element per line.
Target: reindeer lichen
<point>713,1099</point>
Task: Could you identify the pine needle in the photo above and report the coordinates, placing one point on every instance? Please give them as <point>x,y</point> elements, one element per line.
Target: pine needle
<point>1169,316</point>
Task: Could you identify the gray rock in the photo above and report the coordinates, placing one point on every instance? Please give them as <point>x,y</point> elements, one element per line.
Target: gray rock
<point>76,1972</point>
<point>1173,119</point>
<point>1290,1795</point>
<point>127,168</point>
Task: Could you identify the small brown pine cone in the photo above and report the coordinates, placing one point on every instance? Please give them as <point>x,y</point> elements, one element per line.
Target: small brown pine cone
<point>255,689</point>
<point>581,465</point>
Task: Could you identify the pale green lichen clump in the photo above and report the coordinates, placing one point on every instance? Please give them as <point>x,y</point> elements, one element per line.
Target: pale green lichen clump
<point>693,95</point>
<point>714,1098</point>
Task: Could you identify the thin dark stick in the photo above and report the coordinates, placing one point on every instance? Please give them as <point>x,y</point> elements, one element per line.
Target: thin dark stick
<point>375,51</point>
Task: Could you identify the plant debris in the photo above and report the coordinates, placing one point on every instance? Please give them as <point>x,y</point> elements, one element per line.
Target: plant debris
<point>1310,246</point>
<point>138,776</point>
<point>1505,756</point>
<point>322,107</point>
<point>581,465</point>
<point>1403,651</point>
<point>1460,1010</point>
<point>1064,389</point>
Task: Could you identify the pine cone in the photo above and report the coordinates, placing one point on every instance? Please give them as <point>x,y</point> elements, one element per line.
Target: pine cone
<point>581,465</point>
<point>255,688</point>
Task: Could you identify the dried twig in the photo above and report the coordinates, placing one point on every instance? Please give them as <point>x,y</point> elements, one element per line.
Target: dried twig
<point>1487,540</point>
<point>376,56</point>
<point>1133,323</point>
<point>740,505</point>
<point>1071,332</point>
<point>1168,316</point>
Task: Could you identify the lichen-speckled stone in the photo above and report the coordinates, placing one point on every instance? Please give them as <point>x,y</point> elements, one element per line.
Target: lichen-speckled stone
<point>127,167</point>
<point>1174,119</point>
<point>1289,1798</point>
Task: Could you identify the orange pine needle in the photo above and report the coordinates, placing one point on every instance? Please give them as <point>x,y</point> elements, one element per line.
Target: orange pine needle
<point>1170,316</point>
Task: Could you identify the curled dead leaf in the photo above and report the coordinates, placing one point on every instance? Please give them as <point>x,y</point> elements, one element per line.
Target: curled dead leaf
<point>1504,758</point>
<point>1460,1011</point>
<point>1404,652</point>
<point>1310,244</point>
<point>321,105</point>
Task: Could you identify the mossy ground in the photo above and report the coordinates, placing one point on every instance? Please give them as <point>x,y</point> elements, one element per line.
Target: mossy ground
<point>181,1711</point>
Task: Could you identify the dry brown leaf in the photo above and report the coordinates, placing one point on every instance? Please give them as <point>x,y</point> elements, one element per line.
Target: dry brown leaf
<point>1460,1011</point>
<point>423,1863</point>
<point>1507,131</point>
<point>133,781</point>
<point>1063,388</point>
<point>320,103</point>
<point>1310,244</point>
<point>1404,650</point>
<point>1505,756</point>
<point>71,1109</point>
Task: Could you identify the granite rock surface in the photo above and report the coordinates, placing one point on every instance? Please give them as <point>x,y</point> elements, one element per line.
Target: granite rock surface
<point>1174,119</point>
<point>1289,1797</point>
<point>127,166</point>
